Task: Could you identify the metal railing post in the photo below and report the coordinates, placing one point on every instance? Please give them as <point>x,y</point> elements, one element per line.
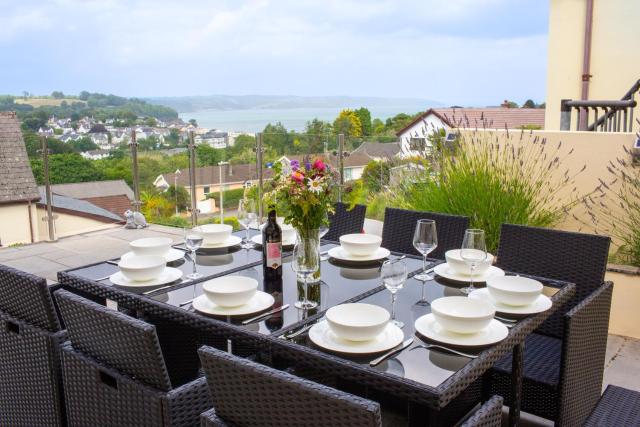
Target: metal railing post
<point>341,164</point>
<point>565,115</point>
<point>259,154</point>
<point>192,179</point>
<point>47,186</point>
<point>134,171</point>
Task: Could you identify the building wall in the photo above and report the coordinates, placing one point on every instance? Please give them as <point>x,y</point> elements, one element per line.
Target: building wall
<point>422,129</point>
<point>14,223</point>
<point>68,225</point>
<point>615,62</point>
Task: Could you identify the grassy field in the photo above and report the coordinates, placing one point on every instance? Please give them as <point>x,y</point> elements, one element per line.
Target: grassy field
<point>39,102</point>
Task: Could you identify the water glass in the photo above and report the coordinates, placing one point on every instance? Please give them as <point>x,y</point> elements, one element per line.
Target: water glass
<point>305,263</point>
<point>247,216</point>
<point>425,240</point>
<point>473,252</point>
<point>394,275</point>
<point>193,241</point>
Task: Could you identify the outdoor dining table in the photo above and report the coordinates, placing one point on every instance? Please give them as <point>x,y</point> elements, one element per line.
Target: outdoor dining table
<point>428,379</point>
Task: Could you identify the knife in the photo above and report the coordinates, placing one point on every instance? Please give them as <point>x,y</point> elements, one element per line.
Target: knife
<point>393,351</point>
<point>267,314</point>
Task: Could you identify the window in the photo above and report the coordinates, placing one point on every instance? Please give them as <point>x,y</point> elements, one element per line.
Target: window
<point>417,144</point>
<point>206,189</point>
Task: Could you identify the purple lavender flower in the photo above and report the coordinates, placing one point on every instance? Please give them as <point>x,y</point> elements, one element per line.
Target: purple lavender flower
<point>295,165</point>
<point>307,165</point>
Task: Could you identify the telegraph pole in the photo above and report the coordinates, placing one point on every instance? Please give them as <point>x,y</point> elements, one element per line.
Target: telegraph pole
<point>259,153</point>
<point>192,179</point>
<point>134,159</point>
<point>47,187</point>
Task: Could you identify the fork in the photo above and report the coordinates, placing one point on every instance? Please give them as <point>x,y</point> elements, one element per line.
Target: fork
<point>450,350</point>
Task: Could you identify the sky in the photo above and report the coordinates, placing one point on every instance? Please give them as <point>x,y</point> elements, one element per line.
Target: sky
<point>464,52</point>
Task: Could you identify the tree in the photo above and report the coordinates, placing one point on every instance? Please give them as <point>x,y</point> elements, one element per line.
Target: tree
<point>193,122</point>
<point>183,198</point>
<point>376,175</point>
<point>509,104</point>
<point>529,104</point>
<point>276,137</point>
<point>365,120</point>
<point>83,144</point>
<point>317,133</point>
<point>206,155</point>
<point>377,127</point>
<point>33,144</point>
<point>25,95</point>
<point>64,168</point>
<point>56,94</point>
<point>84,95</point>
<point>347,123</point>
<point>151,121</point>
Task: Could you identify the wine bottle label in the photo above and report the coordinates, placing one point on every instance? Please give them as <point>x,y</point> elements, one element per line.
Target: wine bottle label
<point>274,255</point>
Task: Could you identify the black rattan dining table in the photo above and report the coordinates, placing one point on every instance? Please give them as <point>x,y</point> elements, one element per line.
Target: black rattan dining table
<point>434,383</point>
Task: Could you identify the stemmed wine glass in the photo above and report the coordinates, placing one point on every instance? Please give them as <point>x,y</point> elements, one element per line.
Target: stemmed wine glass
<point>246,217</point>
<point>394,274</point>
<point>193,241</point>
<point>305,263</point>
<point>473,252</point>
<point>322,231</point>
<point>425,240</point>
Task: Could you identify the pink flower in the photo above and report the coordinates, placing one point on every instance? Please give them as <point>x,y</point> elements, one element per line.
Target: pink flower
<point>297,176</point>
<point>319,165</point>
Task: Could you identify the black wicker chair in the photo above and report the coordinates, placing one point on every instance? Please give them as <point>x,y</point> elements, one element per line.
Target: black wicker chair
<point>617,407</point>
<point>488,415</point>
<point>30,340</point>
<point>249,394</point>
<point>399,226</point>
<point>345,221</point>
<point>564,359</point>
<point>115,374</point>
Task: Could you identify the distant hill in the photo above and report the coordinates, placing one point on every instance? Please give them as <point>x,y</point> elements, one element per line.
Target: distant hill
<point>184,104</point>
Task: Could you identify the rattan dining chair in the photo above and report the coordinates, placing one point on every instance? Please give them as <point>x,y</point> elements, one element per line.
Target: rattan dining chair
<point>617,407</point>
<point>247,394</point>
<point>345,220</point>
<point>114,371</point>
<point>399,226</point>
<point>488,415</point>
<point>30,340</point>
<point>564,359</point>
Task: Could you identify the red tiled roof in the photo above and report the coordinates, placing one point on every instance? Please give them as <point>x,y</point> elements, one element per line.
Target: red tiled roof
<point>491,118</point>
<point>114,204</point>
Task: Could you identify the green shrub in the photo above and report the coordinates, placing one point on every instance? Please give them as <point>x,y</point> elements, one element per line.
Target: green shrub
<point>229,220</point>
<point>173,221</point>
<point>230,198</point>
<point>494,182</point>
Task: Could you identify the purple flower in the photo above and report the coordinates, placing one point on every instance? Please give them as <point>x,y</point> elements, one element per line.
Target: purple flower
<point>295,165</point>
<point>307,165</point>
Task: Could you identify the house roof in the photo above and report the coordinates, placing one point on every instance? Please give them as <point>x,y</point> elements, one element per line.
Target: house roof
<point>16,178</point>
<point>210,175</point>
<point>79,207</point>
<point>85,190</point>
<point>117,204</point>
<point>491,117</point>
<point>378,149</point>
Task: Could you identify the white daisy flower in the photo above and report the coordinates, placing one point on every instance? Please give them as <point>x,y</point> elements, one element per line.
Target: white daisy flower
<point>315,185</point>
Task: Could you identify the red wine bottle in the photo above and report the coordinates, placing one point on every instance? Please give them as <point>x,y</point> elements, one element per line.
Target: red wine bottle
<point>272,248</point>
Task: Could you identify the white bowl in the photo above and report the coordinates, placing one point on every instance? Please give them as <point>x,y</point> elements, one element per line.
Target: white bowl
<point>288,232</point>
<point>514,290</point>
<point>230,291</point>
<point>151,246</point>
<point>360,244</point>
<point>357,322</point>
<point>455,261</point>
<point>461,314</point>
<point>142,268</point>
<point>214,233</point>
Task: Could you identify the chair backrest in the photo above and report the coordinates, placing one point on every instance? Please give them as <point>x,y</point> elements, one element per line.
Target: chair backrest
<point>488,415</point>
<point>247,394</point>
<point>27,297</point>
<point>121,342</point>
<point>573,257</point>
<point>345,221</point>
<point>399,226</point>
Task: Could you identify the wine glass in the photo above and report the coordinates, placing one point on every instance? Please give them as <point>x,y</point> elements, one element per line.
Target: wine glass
<point>322,231</point>
<point>305,263</point>
<point>394,274</point>
<point>425,240</point>
<point>193,241</point>
<point>246,217</point>
<point>473,252</point>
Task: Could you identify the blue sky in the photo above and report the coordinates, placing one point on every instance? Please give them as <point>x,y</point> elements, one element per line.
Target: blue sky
<point>467,52</point>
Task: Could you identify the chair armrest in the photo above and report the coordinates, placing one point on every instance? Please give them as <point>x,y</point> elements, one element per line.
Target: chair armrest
<point>488,415</point>
<point>586,328</point>
<point>210,419</point>
<point>187,402</point>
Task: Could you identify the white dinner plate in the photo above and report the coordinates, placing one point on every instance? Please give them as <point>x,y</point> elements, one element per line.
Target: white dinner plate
<point>542,303</point>
<point>341,255</point>
<point>231,241</point>
<point>428,327</point>
<point>169,275</point>
<point>172,255</point>
<point>446,272</point>
<point>257,239</point>
<point>322,336</point>
<point>261,301</point>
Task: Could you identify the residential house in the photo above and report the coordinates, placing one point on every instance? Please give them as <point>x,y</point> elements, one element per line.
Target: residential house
<point>114,196</point>
<point>95,154</point>
<point>414,137</point>
<point>214,138</point>
<point>379,150</point>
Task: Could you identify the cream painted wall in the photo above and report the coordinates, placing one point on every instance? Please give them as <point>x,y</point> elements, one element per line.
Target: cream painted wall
<point>615,62</point>
<point>14,223</point>
<point>69,225</point>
